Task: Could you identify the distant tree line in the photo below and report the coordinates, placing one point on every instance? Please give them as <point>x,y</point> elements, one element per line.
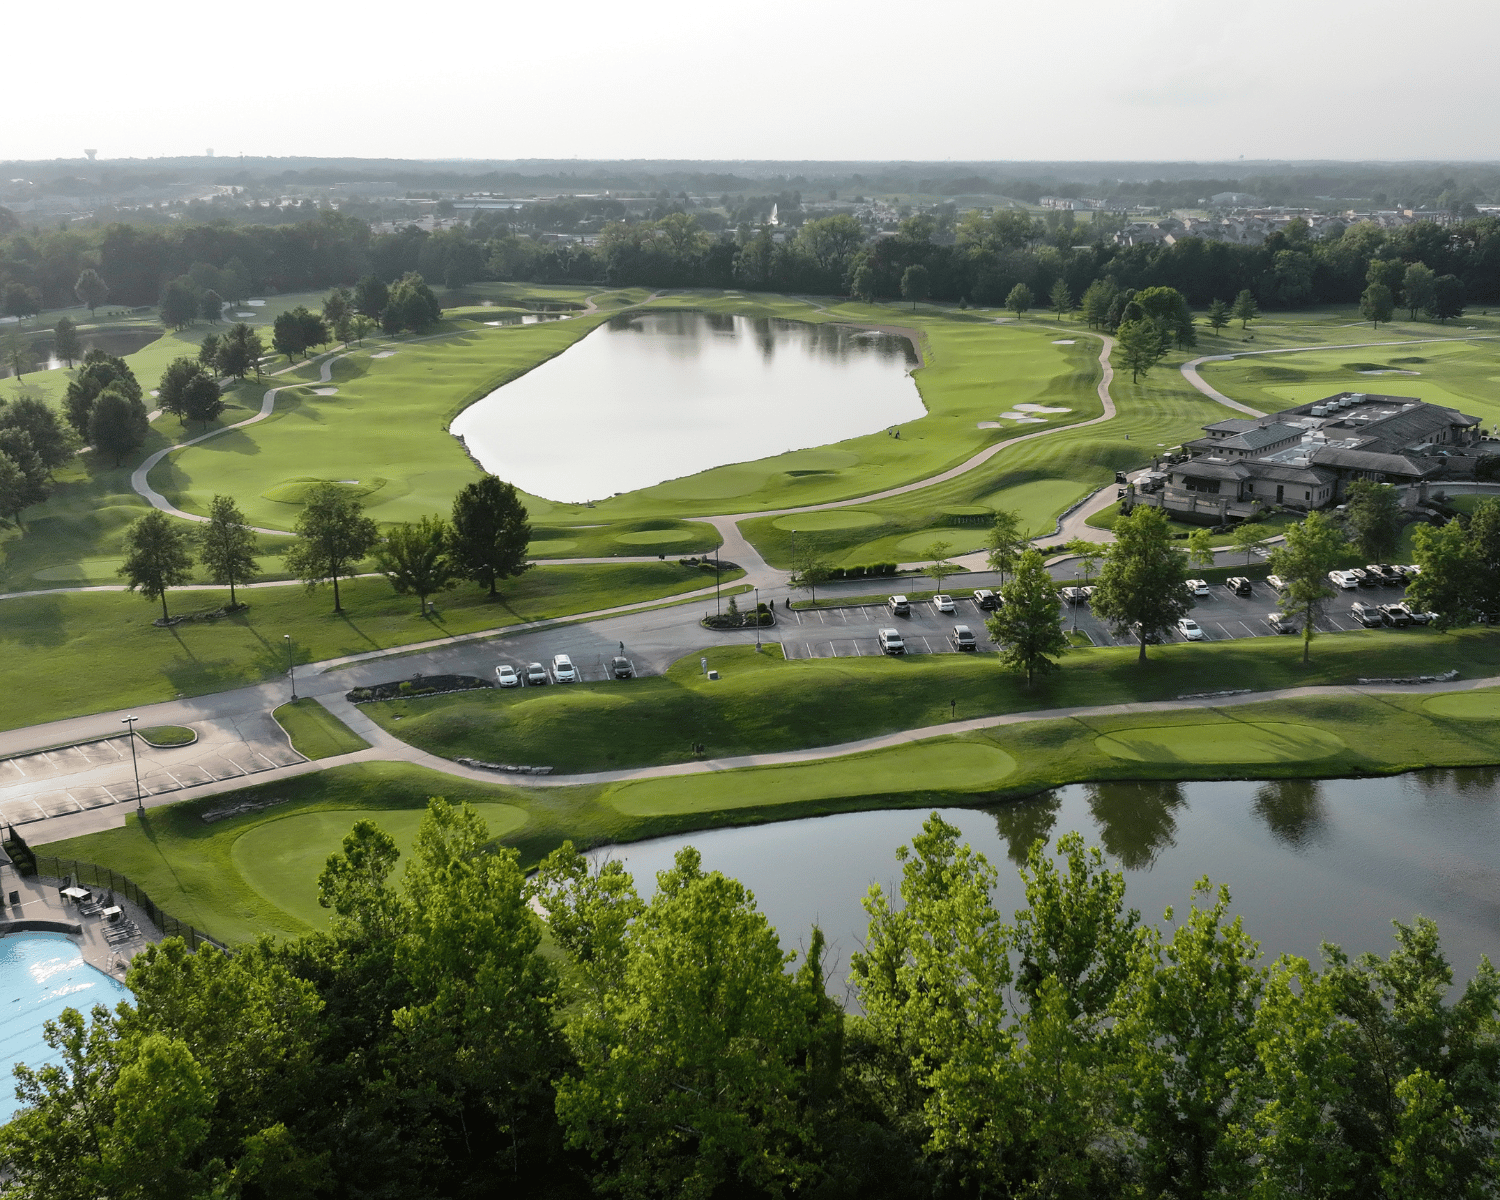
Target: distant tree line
<point>978,258</point>
<point>425,1046</point>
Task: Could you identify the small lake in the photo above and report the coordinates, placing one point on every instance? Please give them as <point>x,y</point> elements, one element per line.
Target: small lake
<point>1306,861</point>
<point>653,396</point>
<point>118,342</point>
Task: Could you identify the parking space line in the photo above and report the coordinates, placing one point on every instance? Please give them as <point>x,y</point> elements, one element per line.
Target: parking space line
<point>821,621</point>
<point>833,648</point>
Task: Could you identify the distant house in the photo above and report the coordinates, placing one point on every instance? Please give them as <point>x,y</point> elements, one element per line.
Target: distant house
<point>1306,457</point>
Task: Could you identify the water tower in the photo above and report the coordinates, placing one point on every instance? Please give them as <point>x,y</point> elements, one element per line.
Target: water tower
<point>91,154</point>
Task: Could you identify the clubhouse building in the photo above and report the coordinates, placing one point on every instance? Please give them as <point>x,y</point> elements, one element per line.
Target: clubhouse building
<point>1306,457</point>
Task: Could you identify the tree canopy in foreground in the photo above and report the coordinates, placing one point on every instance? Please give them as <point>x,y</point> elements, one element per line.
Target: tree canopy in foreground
<point>426,1047</point>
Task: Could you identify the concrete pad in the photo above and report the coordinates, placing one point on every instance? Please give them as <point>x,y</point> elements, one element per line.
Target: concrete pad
<point>383,354</point>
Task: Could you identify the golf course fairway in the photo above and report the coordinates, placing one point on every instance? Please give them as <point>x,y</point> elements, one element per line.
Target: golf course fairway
<point>1231,742</point>
<point>937,766</point>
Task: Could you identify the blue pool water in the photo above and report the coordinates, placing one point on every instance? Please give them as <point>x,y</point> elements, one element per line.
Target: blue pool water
<point>40,975</point>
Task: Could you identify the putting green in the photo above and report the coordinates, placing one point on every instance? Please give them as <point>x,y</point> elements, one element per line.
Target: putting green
<point>833,518</point>
<point>928,766</point>
<point>551,545</point>
<point>657,537</point>
<point>1230,742</point>
<point>282,859</point>
<point>959,539</point>
<point>296,491</point>
<point>1466,706</point>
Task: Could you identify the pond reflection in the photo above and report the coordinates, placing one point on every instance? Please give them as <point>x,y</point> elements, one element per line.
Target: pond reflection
<point>651,396</point>
<point>1306,861</point>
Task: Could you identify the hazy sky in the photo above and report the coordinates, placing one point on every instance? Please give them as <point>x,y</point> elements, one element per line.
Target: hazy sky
<point>997,79</point>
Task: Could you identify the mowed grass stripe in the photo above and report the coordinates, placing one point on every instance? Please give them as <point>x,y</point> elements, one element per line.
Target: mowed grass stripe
<point>945,766</point>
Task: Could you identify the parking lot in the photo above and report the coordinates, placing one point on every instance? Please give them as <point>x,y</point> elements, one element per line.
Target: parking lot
<point>1226,617</point>
<point>850,631</point>
<point>591,667</point>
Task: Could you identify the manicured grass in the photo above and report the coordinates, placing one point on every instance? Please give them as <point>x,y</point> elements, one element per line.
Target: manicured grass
<point>940,765</point>
<point>661,536</point>
<point>90,651</point>
<point>762,703</point>
<point>280,859</point>
<point>1239,742</point>
<point>1458,374</point>
<point>257,873</point>
<point>167,735</point>
<point>315,732</point>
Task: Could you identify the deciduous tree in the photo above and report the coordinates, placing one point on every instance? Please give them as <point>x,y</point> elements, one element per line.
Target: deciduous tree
<point>490,532</point>
<point>1376,304</point>
<point>333,534</point>
<point>179,303</point>
<point>189,392</point>
<point>211,306</point>
<point>938,567</point>
<point>1005,542</point>
<point>1019,300</point>
<point>227,546</point>
<point>1313,546</point>
<point>1373,511</point>
<point>49,439</point>
<point>1447,298</point>
<point>117,423</point>
<point>90,289</point>
<point>156,557</point>
<point>916,285</point>
<point>414,557</point>
<point>1141,346</point>
<point>1417,289</point>
<point>1028,625</point>
<point>98,372</point>
<point>66,344</point>
<point>1142,587</point>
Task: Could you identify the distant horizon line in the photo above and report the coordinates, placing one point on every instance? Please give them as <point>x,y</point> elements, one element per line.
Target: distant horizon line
<point>845,162</point>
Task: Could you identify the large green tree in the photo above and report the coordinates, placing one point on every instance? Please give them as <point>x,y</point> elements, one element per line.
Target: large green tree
<point>99,371</point>
<point>117,423</point>
<point>66,344</point>
<point>916,285</point>
<point>50,441</point>
<point>90,289</point>
<point>1373,512</point>
<point>157,557</point>
<point>1376,304</point>
<point>1245,309</point>
<point>1142,586</point>
<point>490,532</point>
<point>1005,542</point>
<point>1219,315</point>
<point>1019,300</point>
<point>333,534</point>
<point>694,1074</point>
<point>1416,287</point>
<point>414,557</point>
<point>1141,346</point>
<point>189,392</point>
<point>1313,547</point>
<point>1028,625</point>
<point>226,546</point>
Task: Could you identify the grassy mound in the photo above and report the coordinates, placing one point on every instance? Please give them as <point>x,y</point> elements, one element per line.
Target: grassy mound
<point>296,491</point>
<point>934,766</point>
<point>281,859</point>
<point>835,518</point>
<point>1466,706</point>
<point>1232,742</point>
<point>315,732</point>
<point>167,735</point>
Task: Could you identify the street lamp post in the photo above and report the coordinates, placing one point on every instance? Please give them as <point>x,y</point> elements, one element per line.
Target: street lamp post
<point>290,672</point>
<point>140,807</point>
<point>757,620</point>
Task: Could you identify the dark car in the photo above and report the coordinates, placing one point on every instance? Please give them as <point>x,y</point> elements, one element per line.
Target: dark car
<point>964,639</point>
<point>1396,614</point>
<point>1239,585</point>
<point>986,599</point>
<point>1363,578</point>
<point>535,674</point>
<point>1281,623</point>
<point>620,667</point>
<point>1368,615</point>
<point>1387,576</point>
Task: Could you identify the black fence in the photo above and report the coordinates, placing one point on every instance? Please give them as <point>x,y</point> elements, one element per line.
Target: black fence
<point>91,874</point>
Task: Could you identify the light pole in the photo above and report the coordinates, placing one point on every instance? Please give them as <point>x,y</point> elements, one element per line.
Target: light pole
<point>290,673</point>
<point>757,620</point>
<point>140,807</point>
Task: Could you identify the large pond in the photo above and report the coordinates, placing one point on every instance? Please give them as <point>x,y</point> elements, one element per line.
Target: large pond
<point>654,396</point>
<point>40,975</point>
<point>1306,861</point>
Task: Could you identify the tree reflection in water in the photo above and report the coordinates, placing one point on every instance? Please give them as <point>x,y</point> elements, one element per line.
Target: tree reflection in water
<point>1293,811</point>
<point>1135,819</point>
<point>1023,822</point>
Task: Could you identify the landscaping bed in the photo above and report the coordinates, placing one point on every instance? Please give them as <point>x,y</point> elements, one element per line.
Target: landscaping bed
<point>162,736</point>
<point>417,685</point>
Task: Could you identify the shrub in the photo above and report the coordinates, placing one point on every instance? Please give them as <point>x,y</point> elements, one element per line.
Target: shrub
<point>836,573</point>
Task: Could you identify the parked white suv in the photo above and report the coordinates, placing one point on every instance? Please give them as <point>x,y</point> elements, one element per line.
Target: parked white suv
<point>890,641</point>
<point>563,670</point>
<point>1344,579</point>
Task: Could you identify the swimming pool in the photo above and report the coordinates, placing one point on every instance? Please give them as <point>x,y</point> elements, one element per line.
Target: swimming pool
<point>40,975</point>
